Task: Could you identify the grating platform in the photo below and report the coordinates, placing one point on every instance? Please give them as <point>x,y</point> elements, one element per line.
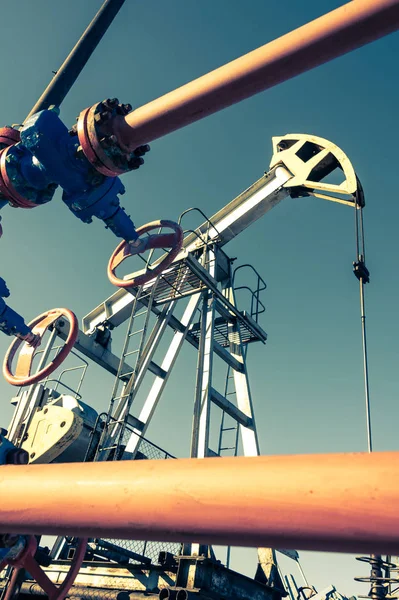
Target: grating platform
<point>187,277</point>
<point>221,331</point>
<point>176,282</point>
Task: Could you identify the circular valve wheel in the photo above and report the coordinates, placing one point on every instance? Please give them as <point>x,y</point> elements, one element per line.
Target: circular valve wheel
<point>25,560</point>
<point>174,241</point>
<point>39,326</point>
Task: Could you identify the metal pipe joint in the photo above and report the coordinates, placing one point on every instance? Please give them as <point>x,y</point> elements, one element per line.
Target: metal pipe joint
<point>49,155</point>
<point>105,152</point>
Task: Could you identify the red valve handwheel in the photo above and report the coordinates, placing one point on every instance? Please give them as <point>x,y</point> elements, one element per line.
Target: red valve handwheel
<point>26,561</point>
<point>9,136</point>
<point>162,240</point>
<point>39,327</point>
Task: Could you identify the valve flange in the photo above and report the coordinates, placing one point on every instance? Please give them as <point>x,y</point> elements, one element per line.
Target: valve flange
<point>97,143</point>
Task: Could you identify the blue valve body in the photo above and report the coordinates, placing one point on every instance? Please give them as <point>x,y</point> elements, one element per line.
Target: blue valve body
<point>48,156</point>
<point>11,323</point>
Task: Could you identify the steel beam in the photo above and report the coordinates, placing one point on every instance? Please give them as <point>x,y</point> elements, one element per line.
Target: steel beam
<point>230,408</point>
<point>331,502</point>
<point>228,222</point>
<point>73,65</point>
<point>94,351</point>
<point>334,34</point>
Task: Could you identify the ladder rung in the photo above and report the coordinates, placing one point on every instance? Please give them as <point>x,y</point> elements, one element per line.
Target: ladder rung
<point>121,397</point>
<point>127,374</point>
<point>128,420</point>
<point>131,352</point>
<point>136,332</point>
<point>229,429</point>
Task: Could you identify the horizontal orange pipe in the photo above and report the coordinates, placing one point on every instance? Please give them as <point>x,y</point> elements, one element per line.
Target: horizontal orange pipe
<point>334,34</point>
<point>333,502</point>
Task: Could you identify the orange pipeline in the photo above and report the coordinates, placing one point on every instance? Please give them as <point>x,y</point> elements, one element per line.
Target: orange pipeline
<point>334,34</point>
<point>333,502</point>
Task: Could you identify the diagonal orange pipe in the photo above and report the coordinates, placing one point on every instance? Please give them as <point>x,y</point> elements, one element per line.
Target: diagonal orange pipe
<point>334,34</point>
<point>333,502</point>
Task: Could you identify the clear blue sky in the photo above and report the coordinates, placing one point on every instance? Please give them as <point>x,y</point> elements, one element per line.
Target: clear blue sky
<point>307,381</point>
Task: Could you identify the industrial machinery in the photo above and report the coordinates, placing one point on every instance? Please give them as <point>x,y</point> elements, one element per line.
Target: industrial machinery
<point>187,295</point>
<point>193,301</point>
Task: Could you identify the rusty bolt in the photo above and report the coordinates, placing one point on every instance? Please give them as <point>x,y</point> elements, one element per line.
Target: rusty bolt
<point>109,140</point>
<point>79,152</point>
<point>101,117</point>
<point>135,163</point>
<point>112,102</point>
<point>141,150</point>
<point>123,109</point>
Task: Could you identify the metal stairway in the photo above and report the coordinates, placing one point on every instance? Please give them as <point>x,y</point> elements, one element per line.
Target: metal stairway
<point>111,440</point>
<point>229,427</point>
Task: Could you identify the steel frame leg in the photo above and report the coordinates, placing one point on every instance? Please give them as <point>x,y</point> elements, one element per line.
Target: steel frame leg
<point>159,384</point>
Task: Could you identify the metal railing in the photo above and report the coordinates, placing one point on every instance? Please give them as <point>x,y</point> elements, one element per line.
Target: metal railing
<point>257,306</point>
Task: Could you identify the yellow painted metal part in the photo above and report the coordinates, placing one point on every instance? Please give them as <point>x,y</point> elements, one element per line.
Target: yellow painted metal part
<point>51,431</point>
<point>310,159</point>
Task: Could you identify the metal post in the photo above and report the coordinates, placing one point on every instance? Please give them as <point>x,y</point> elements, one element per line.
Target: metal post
<point>302,573</point>
<point>378,590</point>
<point>73,65</point>
<point>202,404</point>
<point>249,436</point>
<point>365,365</point>
<point>334,34</point>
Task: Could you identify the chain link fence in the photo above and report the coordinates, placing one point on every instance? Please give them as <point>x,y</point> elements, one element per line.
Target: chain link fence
<point>145,552</point>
